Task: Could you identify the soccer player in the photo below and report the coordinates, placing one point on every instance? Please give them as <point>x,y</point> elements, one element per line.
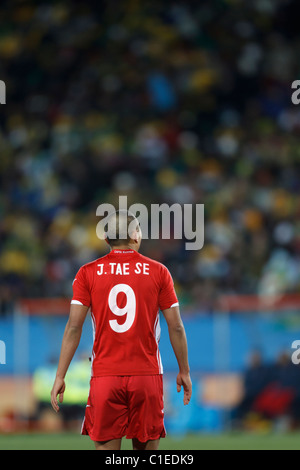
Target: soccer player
<point>124,291</point>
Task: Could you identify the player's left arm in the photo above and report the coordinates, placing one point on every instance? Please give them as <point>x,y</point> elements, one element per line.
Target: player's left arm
<point>168,303</point>
<point>179,344</point>
<point>69,345</point>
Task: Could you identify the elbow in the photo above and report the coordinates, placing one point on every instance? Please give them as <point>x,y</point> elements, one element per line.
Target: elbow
<point>73,331</point>
<point>177,329</point>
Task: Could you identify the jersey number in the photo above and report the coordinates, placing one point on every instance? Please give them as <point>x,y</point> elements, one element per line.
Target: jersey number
<point>128,310</point>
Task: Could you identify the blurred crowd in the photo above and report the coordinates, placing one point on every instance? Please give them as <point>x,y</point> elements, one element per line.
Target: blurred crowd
<point>270,396</point>
<point>181,101</point>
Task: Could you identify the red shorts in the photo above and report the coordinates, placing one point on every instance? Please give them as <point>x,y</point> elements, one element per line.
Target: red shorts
<point>130,406</point>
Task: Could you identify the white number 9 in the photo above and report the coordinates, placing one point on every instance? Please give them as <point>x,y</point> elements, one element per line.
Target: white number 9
<point>129,308</point>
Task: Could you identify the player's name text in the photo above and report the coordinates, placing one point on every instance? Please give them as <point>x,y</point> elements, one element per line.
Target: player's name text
<point>122,268</point>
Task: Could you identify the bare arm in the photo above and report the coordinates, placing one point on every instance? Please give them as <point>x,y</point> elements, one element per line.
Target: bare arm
<point>179,344</point>
<point>69,345</point>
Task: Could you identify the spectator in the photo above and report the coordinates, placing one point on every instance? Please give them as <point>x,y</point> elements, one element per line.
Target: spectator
<point>257,377</point>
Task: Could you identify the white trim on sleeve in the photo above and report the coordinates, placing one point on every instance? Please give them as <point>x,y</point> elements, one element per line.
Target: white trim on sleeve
<point>76,302</point>
<point>175,305</point>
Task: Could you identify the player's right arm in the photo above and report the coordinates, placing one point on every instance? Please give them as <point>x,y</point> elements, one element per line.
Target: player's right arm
<point>69,345</point>
<point>78,310</point>
<point>179,344</point>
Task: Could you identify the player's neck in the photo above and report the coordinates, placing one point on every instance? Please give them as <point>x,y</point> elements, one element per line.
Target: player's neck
<point>124,247</point>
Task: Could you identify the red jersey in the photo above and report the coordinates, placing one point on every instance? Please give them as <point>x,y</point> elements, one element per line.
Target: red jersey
<point>125,291</point>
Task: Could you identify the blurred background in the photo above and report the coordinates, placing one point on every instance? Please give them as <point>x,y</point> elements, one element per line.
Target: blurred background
<point>164,102</point>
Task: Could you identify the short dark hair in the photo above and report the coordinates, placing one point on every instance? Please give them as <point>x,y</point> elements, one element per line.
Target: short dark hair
<point>120,232</point>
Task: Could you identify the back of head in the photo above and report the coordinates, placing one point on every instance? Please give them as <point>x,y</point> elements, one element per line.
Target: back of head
<point>120,228</point>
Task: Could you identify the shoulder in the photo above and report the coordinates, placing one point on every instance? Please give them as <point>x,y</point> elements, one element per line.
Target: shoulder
<point>91,265</point>
<point>153,263</point>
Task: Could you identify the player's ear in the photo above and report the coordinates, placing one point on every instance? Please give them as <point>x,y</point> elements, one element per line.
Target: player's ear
<point>135,236</point>
<point>106,239</point>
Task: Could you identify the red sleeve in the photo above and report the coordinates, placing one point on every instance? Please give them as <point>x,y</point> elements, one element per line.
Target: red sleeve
<point>81,291</point>
<point>167,295</point>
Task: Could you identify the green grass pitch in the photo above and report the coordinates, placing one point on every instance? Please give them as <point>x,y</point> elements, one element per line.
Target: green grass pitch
<point>230,441</point>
